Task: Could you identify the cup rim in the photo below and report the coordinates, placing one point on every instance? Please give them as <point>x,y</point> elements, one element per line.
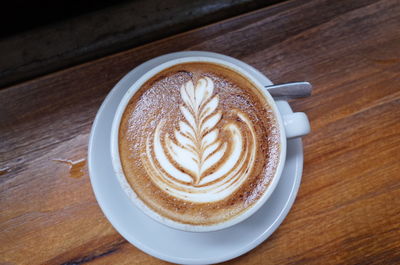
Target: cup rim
<point>116,161</point>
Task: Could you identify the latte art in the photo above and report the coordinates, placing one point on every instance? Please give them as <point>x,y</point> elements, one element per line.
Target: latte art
<point>199,166</point>
<point>198,144</point>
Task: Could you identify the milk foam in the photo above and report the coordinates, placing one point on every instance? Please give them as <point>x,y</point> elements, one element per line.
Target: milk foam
<point>197,165</point>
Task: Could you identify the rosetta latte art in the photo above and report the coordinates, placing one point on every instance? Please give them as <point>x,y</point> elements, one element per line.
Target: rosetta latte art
<point>197,165</point>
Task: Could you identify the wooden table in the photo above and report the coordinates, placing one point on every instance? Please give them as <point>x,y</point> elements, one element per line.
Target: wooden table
<point>348,207</point>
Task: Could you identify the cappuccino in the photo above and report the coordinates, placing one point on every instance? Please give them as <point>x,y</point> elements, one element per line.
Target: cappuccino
<point>198,143</point>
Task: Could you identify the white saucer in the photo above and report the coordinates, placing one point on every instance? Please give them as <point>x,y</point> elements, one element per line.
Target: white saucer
<point>166,243</point>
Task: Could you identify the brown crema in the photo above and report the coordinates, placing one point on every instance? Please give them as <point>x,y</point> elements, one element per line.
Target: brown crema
<point>211,126</point>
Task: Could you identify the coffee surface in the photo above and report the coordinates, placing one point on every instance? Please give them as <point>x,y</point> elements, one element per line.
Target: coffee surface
<point>198,143</point>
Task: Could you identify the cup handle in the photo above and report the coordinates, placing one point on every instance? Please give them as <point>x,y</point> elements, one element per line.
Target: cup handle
<point>296,124</point>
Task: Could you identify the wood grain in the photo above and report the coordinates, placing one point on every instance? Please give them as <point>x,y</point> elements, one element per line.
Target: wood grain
<point>347,210</point>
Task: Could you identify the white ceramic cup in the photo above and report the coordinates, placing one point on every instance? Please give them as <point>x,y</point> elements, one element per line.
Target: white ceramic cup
<point>290,126</point>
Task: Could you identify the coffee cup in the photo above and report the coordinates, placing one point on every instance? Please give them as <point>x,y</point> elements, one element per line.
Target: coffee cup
<point>198,144</point>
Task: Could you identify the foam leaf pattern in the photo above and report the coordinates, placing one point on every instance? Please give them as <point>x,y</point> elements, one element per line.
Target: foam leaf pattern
<point>199,111</point>
<point>196,164</point>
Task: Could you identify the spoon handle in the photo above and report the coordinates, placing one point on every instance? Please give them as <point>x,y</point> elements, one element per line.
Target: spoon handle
<point>290,90</point>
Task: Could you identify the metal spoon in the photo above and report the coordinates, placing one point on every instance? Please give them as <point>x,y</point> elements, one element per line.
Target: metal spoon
<point>290,90</point>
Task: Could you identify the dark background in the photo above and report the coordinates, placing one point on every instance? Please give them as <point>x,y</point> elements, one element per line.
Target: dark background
<point>41,37</point>
<point>20,16</point>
